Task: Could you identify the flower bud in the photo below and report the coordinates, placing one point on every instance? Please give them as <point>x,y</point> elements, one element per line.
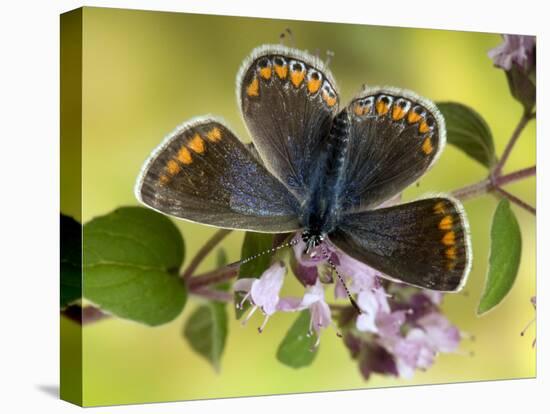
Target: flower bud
<point>517,57</point>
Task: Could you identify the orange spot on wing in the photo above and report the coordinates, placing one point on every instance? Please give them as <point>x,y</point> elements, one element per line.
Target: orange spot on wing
<point>427,146</point>
<point>358,109</point>
<point>265,72</point>
<point>184,156</point>
<point>449,238</point>
<point>214,134</point>
<point>163,179</point>
<point>446,223</point>
<point>398,113</point>
<point>450,253</point>
<point>253,89</point>
<point>439,207</point>
<point>451,265</point>
<point>281,71</point>
<point>413,117</point>
<point>423,127</point>
<point>196,144</point>
<point>329,100</point>
<point>382,108</point>
<point>173,167</point>
<point>313,85</point>
<point>297,77</point>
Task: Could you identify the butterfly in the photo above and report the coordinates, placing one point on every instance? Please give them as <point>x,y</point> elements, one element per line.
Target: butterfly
<point>318,169</point>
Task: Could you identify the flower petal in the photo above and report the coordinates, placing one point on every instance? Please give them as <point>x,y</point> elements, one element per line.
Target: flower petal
<point>243,285</point>
<point>441,334</point>
<point>515,49</point>
<point>307,275</point>
<point>389,324</point>
<point>313,294</point>
<point>265,290</point>
<point>320,315</point>
<point>289,304</point>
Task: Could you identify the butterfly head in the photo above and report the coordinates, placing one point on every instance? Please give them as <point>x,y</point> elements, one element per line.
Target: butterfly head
<point>312,239</point>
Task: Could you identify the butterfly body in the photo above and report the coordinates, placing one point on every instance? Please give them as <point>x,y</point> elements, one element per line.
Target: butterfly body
<point>323,204</point>
<point>317,168</point>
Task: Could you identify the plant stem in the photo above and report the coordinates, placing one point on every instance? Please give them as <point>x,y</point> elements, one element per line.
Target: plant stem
<point>213,277</point>
<point>204,251</point>
<point>524,120</point>
<point>516,200</point>
<point>487,185</point>
<point>473,190</point>
<point>516,176</point>
<point>213,294</point>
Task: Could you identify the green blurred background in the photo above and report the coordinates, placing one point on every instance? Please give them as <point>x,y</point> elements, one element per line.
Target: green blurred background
<point>146,72</point>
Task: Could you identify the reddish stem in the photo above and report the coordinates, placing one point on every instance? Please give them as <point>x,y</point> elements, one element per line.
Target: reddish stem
<point>204,251</point>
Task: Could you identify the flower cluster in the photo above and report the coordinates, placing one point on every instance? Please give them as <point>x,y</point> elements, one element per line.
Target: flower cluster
<point>400,328</point>
<point>514,50</point>
<point>517,57</point>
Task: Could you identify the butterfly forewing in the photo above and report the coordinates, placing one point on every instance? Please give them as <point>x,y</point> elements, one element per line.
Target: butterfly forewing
<point>395,136</point>
<point>424,243</point>
<point>203,173</point>
<point>288,99</point>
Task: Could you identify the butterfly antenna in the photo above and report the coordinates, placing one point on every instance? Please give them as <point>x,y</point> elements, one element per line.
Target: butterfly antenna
<point>282,38</point>
<point>341,279</point>
<point>267,251</point>
<point>287,34</point>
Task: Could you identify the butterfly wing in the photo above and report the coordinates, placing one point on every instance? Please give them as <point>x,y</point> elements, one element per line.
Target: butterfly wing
<point>395,137</point>
<point>203,173</point>
<point>424,243</point>
<point>288,99</point>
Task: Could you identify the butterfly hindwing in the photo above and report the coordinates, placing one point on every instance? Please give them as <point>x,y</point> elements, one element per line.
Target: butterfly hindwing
<point>288,99</point>
<point>424,243</point>
<point>203,173</point>
<point>395,137</point>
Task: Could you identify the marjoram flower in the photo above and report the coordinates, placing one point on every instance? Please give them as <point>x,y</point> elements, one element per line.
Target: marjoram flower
<point>400,328</point>
<point>264,292</point>
<point>517,57</point>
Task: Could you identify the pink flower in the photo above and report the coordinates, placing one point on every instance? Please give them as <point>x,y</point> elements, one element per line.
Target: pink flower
<point>314,300</point>
<point>441,334</point>
<point>263,292</point>
<point>412,352</point>
<point>432,334</point>
<point>514,50</point>
<point>517,55</point>
<point>374,305</point>
<point>405,331</point>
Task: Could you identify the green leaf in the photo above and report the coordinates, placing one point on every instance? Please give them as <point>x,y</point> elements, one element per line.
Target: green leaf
<point>504,258</point>
<point>131,261</point>
<point>297,348</point>
<point>70,260</point>
<point>206,331</point>
<point>469,132</point>
<point>253,244</point>
<point>221,261</point>
<point>221,258</point>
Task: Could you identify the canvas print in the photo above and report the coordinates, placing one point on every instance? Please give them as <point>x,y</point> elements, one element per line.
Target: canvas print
<point>257,206</point>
